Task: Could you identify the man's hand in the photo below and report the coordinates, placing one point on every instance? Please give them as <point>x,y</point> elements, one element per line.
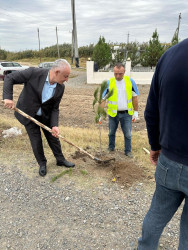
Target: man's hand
<point>55,131</point>
<point>103,103</point>
<point>154,155</point>
<point>9,103</point>
<point>135,116</point>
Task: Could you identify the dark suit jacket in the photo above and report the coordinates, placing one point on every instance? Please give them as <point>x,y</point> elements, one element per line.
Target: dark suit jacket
<point>30,99</point>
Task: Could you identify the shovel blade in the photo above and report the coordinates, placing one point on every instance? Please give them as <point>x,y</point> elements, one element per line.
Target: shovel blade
<point>103,161</point>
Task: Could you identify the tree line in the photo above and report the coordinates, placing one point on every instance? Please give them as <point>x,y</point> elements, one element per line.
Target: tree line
<point>145,54</point>
<point>65,50</point>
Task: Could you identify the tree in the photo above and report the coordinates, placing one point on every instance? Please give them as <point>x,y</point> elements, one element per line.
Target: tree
<point>100,112</point>
<point>118,53</point>
<point>102,53</point>
<point>86,51</point>
<point>133,53</point>
<point>3,54</point>
<point>175,39</point>
<point>153,51</point>
<point>118,57</point>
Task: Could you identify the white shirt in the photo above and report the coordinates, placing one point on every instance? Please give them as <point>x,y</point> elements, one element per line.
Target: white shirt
<point>122,95</point>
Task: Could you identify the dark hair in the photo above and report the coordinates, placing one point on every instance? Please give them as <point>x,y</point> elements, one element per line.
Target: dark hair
<point>119,65</point>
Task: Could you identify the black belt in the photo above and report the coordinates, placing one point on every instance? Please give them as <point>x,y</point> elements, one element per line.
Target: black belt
<point>123,111</point>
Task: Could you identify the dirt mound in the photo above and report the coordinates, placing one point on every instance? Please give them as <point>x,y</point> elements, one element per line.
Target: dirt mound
<point>127,173</point>
<point>116,167</point>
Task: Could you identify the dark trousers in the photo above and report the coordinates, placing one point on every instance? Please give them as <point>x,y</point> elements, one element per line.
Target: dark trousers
<point>171,190</point>
<point>34,133</point>
<point>126,124</point>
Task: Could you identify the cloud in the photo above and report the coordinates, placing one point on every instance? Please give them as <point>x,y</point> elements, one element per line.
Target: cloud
<point>117,21</point>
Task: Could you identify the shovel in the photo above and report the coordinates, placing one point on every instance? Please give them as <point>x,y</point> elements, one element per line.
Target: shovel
<point>63,138</point>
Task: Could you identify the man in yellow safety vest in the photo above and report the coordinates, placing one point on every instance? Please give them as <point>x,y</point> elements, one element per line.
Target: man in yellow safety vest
<point>122,106</point>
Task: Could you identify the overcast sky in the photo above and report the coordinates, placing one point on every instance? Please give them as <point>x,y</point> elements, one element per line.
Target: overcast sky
<point>113,19</point>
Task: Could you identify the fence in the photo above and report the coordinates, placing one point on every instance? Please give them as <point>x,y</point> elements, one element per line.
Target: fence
<point>99,77</point>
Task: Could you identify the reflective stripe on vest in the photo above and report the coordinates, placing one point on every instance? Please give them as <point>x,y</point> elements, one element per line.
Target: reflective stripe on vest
<point>112,101</point>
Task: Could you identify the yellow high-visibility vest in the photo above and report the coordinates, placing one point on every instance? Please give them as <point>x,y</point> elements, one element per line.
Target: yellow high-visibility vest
<point>112,100</point>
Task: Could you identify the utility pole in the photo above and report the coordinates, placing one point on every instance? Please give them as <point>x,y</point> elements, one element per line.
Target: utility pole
<point>72,48</point>
<point>175,38</point>
<point>75,34</point>
<point>126,48</point>
<point>178,25</point>
<point>39,44</point>
<point>57,43</point>
<point>128,38</point>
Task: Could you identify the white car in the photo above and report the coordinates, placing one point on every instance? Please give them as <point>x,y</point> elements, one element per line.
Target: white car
<point>46,65</point>
<point>9,67</point>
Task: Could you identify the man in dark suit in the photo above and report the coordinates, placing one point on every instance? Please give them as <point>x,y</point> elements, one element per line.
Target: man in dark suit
<point>40,98</point>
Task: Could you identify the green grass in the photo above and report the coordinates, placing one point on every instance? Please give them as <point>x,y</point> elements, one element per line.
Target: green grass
<point>68,171</point>
<point>83,172</point>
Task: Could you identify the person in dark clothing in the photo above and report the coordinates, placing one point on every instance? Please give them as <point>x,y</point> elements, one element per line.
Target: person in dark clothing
<point>166,116</point>
<point>40,98</point>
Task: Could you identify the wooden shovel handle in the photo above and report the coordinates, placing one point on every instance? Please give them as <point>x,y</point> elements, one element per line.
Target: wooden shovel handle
<point>49,130</point>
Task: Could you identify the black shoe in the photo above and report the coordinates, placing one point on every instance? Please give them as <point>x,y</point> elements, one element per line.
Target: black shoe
<point>65,163</point>
<point>42,170</point>
<point>111,149</point>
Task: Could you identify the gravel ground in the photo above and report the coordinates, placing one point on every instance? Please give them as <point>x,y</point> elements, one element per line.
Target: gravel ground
<point>39,214</point>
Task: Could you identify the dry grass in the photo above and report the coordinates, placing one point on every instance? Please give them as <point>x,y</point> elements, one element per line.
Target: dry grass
<point>16,151</point>
<point>87,139</point>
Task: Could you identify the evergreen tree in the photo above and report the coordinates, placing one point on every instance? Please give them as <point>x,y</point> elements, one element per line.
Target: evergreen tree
<point>119,57</point>
<point>153,51</point>
<point>133,53</point>
<point>175,39</point>
<point>100,112</point>
<point>102,53</point>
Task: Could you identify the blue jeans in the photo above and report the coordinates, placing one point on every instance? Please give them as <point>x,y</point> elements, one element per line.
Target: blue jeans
<point>171,189</point>
<point>126,125</point>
